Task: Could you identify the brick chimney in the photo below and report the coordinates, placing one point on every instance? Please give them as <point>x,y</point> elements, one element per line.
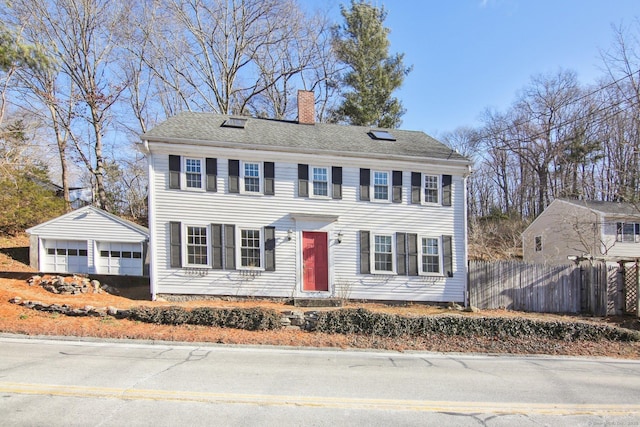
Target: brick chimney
<point>306,107</point>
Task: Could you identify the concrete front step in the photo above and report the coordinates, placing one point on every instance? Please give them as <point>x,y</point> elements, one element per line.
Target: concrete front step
<point>317,302</point>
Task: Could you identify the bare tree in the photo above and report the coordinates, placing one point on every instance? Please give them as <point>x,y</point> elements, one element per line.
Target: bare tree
<point>79,36</point>
<point>235,56</point>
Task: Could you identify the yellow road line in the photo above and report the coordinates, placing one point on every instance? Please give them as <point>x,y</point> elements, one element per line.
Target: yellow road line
<point>321,401</point>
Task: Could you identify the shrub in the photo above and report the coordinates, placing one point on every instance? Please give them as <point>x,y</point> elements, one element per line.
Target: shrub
<point>361,321</point>
<point>252,319</point>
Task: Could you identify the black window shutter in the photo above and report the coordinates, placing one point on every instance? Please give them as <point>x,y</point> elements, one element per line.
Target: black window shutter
<point>175,257</point>
<point>401,253</point>
<point>412,257</point>
<point>212,174</point>
<point>365,180</point>
<point>303,180</point>
<point>234,176</point>
<point>365,267</point>
<point>447,256</point>
<point>416,184</point>
<point>216,246</point>
<point>270,249</point>
<point>174,171</point>
<point>397,187</point>
<point>336,180</point>
<point>229,247</point>
<point>269,175</point>
<point>446,190</point>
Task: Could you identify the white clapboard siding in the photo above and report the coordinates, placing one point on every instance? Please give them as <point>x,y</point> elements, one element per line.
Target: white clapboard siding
<point>85,222</point>
<point>202,208</point>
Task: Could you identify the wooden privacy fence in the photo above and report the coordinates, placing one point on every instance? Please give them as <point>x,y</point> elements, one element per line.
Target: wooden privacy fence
<point>542,288</point>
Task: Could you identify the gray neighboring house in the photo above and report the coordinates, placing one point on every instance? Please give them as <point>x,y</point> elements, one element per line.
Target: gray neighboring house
<point>89,240</point>
<point>244,206</point>
<point>567,229</point>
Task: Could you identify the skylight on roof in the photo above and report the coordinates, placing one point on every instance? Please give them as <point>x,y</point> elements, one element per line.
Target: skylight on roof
<point>382,135</point>
<point>234,122</point>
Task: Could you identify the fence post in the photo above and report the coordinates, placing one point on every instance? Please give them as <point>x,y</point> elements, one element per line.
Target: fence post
<point>637,290</point>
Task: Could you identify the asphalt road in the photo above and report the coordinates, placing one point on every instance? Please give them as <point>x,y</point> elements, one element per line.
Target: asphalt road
<point>103,383</point>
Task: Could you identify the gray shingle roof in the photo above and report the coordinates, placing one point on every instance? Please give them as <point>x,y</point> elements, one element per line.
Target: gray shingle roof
<point>609,208</point>
<point>291,136</point>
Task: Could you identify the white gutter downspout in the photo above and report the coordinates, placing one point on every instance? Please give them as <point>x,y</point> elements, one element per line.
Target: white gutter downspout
<point>153,274</point>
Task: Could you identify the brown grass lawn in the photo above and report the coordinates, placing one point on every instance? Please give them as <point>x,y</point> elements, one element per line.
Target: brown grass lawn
<point>20,320</point>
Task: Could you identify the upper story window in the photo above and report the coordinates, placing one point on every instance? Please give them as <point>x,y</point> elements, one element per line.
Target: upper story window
<point>251,177</point>
<point>431,189</point>
<point>197,247</point>
<point>430,255</point>
<point>320,181</point>
<point>628,232</point>
<point>193,173</point>
<point>380,185</point>
<point>383,253</point>
<point>190,173</point>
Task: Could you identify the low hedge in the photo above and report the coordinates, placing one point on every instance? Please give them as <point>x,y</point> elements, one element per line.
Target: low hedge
<point>252,319</point>
<point>361,321</point>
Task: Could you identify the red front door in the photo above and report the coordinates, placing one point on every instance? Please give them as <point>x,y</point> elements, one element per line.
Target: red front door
<point>315,263</point>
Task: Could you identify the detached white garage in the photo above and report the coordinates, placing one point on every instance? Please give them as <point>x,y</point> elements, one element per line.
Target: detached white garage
<point>89,240</point>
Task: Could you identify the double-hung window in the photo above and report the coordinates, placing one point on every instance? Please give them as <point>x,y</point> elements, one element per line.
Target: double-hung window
<point>383,253</point>
<point>251,177</point>
<point>628,232</point>
<point>250,248</point>
<point>538,243</point>
<point>430,255</point>
<point>431,189</point>
<point>193,173</point>
<point>380,185</point>
<point>197,247</point>
<point>320,181</point>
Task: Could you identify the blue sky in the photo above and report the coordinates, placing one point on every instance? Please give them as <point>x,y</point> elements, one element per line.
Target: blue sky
<point>470,55</point>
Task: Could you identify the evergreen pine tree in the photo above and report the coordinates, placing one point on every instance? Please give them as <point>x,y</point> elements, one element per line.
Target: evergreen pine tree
<point>372,75</point>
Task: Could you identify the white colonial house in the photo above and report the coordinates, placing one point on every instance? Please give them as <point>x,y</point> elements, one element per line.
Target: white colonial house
<point>242,206</point>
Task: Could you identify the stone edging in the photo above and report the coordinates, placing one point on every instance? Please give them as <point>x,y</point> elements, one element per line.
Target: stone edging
<point>289,319</point>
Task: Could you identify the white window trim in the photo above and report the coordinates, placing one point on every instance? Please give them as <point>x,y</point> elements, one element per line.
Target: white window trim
<point>239,265</point>
<point>183,174</point>
<point>421,272</point>
<point>372,254</point>
<point>373,186</point>
<point>423,188</point>
<point>260,178</point>
<point>185,246</point>
<point>311,182</point>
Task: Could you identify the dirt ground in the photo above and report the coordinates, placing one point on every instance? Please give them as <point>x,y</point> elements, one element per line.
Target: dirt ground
<point>20,320</point>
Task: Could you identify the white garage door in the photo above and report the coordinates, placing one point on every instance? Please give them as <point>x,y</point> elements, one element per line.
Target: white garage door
<point>123,259</point>
<point>65,256</point>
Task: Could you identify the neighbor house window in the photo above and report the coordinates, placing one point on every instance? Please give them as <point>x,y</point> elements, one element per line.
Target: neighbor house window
<point>383,253</point>
<point>628,232</point>
<point>251,177</point>
<point>320,181</point>
<point>538,243</point>
<point>430,258</point>
<point>193,172</point>
<point>197,246</point>
<point>431,189</point>
<point>250,248</point>
<point>380,185</point>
